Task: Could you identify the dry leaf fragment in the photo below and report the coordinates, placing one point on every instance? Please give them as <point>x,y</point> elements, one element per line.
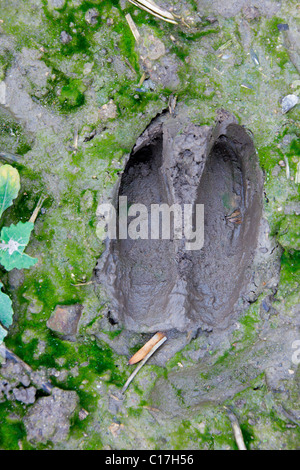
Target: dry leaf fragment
<point>140,365</point>
<point>146,348</point>
<point>235,217</point>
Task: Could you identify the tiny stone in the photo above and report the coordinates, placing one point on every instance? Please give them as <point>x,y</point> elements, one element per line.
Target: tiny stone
<point>283,27</point>
<point>25,380</point>
<point>25,395</point>
<point>82,414</point>
<point>65,37</point>
<point>288,102</point>
<point>91,16</point>
<point>108,111</point>
<point>265,306</point>
<point>211,19</point>
<point>65,319</point>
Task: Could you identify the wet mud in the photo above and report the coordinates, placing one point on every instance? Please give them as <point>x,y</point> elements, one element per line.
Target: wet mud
<point>163,284</point>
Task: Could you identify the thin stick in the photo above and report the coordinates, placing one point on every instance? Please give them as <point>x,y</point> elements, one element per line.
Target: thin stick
<point>47,387</point>
<point>133,27</point>
<point>236,429</point>
<point>142,352</point>
<point>82,284</point>
<point>129,380</point>
<point>297,177</point>
<point>75,143</point>
<point>143,78</point>
<point>36,210</point>
<point>10,157</point>
<point>129,65</point>
<point>287,168</point>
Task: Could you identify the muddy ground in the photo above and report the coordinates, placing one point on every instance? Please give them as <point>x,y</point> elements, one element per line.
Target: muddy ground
<point>73,114</point>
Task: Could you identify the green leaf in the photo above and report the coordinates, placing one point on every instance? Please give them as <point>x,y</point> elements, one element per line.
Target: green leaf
<point>6,313</point>
<point>9,186</point>
<point>14,241</point>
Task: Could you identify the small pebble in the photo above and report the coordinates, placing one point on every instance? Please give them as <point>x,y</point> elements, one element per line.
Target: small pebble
<point>288,102</point>
<point>91,16</point>
<point>265,306</point>
<point>283,27</point>
<point>65,37</point>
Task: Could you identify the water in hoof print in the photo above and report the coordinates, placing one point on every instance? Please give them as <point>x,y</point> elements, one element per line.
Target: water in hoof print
<point>188,210</point>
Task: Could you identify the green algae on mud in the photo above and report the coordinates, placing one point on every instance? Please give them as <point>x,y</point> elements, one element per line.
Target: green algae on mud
<point>12,431</point>
<point>12,137</point>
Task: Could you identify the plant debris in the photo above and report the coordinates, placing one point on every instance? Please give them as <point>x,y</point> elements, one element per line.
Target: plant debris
<point>146,348</point>
<point>133,27</point>
<point>150,353</point>
<point>235,217</point>
<point>155,10</point>
<point>236,429</point>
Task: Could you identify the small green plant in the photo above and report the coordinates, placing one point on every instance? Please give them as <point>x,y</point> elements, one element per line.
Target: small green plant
<point>13,241</point>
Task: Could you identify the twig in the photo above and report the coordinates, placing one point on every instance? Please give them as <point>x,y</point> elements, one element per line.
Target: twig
<point>82,284</point>
<point>236,429</point>
<point>129,65</point>
<point>129,380</point>
<point>288,415</point>
<point>46,386</point>
<point>75,143</point>
<point>287,168</point>
<point>138,356</point>
<point>133,27</point>
<point>143,78</point>
<point>10,157</point>
<point>172,104</point>
<point>36,210</point>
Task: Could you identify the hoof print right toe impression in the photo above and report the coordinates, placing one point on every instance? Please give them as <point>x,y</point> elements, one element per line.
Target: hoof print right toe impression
<point>176,281</point>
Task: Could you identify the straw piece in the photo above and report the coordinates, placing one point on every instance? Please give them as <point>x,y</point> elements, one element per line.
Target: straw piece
<point>138,356</point>
<point>133,27</point>
<point>129,380</point>
<point>236,429</point>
